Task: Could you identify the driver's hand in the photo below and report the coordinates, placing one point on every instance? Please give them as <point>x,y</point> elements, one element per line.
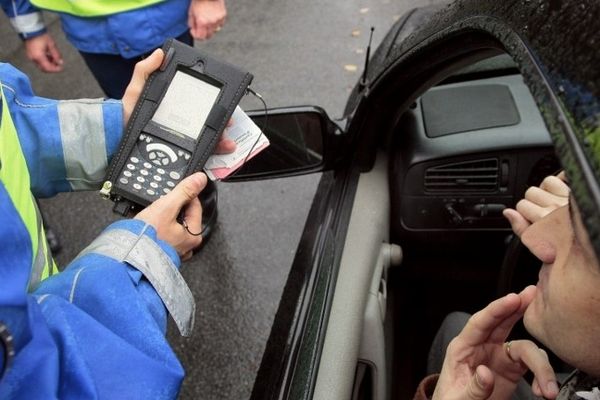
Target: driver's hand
<point>539,201</point>
<point>478,365</point>
<point>163,213</point>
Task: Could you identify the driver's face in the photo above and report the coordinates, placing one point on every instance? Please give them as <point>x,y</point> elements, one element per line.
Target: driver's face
<point>565,313</point>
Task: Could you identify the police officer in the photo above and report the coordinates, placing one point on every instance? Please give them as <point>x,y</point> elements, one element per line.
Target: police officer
<point>97,329</point>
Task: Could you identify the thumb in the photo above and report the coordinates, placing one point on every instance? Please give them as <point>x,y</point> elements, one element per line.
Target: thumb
<point>148,65</point>
<point>518,223</point>
<point>481,384</point>
<point>187,190</point>
<point>141,72</point>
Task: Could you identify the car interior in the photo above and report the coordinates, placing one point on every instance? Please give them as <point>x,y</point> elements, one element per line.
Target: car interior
<point>467,148</point>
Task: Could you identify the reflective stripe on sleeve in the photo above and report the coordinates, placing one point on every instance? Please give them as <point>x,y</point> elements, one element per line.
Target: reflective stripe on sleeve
<point>42,263</point>
<point>146,256</point>
<point>28,23</point>
<point>81,122</point>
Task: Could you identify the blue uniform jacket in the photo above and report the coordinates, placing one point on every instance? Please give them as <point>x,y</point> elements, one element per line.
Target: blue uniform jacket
<point>97,329</point>
<point>129,34</point>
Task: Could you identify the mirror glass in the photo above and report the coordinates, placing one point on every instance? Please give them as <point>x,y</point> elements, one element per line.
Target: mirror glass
<point>296,144</point>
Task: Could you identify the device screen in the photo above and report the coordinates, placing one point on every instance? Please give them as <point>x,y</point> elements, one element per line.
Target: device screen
<point>186,105</point>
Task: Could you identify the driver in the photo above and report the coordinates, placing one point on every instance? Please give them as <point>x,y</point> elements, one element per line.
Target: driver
<point>562,311</point>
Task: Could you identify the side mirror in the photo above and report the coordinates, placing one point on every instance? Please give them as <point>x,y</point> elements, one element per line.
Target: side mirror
<point>298,140</point>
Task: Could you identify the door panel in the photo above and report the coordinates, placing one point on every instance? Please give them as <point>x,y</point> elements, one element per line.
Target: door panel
<point>367,231</point>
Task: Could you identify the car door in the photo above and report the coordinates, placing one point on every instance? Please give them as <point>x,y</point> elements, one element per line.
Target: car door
<point>328,340</point>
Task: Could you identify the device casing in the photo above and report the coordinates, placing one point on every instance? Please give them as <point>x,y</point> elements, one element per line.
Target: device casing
<point>233,83</point>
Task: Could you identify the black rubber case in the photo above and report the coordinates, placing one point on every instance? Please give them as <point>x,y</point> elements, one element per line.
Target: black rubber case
<point>144,168</point>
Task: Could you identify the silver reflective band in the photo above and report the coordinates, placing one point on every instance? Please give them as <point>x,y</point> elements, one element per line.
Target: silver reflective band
<point>28,23</point>
<point>82,122</point>
<point>146,256</point>
<point>43,255</point>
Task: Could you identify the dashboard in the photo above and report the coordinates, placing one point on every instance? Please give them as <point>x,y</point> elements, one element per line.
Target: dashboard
<point>464,152</point>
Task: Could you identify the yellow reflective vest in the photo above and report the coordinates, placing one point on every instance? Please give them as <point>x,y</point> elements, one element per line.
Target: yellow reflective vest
<point>14,175</point>
<point>92,8</point>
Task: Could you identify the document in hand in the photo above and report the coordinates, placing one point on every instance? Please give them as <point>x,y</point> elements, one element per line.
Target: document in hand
<point>245,133</point>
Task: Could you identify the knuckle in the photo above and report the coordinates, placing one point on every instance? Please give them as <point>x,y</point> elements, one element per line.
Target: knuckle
<point>454,343</point>
<point>530,191</point>
<point>548,180</point>
<point>137,68</point>
<point>521,204</point>
<point>188,191</point>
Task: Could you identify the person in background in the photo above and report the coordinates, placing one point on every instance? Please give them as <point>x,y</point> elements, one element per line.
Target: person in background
<point>97,329</point>
<point>562,311</point>
<point>112,36</point>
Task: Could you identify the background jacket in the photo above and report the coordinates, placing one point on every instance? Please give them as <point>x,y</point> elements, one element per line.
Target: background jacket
<point>128,34</point>
<point>95,330</point>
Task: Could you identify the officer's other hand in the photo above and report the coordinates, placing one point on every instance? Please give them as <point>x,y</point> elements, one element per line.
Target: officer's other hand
<point>43,52</point>
<point>205,17</point>
<point>163,213</point>
<point>141,72</point>
<point>226,145</point>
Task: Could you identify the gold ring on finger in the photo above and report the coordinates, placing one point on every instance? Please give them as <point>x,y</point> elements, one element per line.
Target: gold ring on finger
<point>507,349</point>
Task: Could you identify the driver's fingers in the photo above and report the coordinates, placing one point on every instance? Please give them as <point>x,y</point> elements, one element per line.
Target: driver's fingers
<point>535,388</point>
<point>483,323</point>
<point>501,332</point>
<point>556,185</point>
<point>531,211</point>
<point>481,384</point>
<point>535,359</point>
<point>545,198</point>
<point>494,322</point>
<point>518,223</point>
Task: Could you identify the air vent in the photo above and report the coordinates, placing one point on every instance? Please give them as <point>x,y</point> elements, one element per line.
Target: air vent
<point>472,176</point>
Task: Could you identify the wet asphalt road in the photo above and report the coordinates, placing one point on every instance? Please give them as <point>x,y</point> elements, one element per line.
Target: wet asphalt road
<point>300,52</point>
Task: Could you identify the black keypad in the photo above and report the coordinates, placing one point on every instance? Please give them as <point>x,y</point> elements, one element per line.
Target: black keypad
<point>154,168</point>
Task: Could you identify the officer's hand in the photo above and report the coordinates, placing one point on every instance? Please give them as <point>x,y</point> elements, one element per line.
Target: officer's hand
<point>142,71</point>
<point>205,17</point>
<point>43,52</point>
<point>162,215</point>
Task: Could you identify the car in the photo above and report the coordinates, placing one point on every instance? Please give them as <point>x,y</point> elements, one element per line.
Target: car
<point>460,109</point>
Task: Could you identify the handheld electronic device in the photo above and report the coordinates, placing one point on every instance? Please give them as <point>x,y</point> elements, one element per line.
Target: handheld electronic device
<point>175,126</point>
